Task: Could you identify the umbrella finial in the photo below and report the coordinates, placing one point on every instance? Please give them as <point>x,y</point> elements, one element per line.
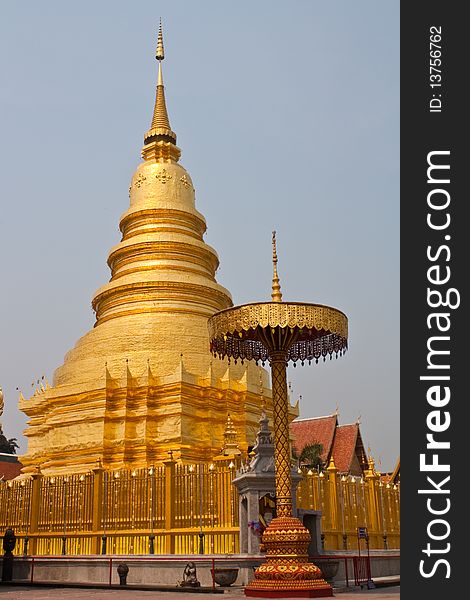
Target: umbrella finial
<point>276,294</point>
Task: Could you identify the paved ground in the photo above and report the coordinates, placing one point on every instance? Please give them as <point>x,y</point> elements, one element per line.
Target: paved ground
<point>37,593</point>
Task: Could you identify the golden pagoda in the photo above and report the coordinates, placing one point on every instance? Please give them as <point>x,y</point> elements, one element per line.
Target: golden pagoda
<point>142,383</point>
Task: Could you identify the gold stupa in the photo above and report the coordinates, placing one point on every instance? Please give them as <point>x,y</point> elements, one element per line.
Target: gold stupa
<point>142,382</point>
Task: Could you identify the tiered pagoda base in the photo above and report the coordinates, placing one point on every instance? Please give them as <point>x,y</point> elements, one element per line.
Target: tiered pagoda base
<point>287,572</point>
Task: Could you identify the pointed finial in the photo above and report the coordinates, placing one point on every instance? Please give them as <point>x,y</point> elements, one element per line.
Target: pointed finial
<point>276,294</point>
<point>160,140</point>
<point>160,53</point>
<point>229,427</point>
<point>230,446</point>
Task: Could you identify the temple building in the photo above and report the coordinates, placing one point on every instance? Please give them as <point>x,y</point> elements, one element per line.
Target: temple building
<point>342,443</point>
<point>142,383</point>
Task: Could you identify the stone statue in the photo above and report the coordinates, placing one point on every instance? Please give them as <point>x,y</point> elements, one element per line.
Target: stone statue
<point>9,542</point>
<point>189,576</point>
<point>123,571</point>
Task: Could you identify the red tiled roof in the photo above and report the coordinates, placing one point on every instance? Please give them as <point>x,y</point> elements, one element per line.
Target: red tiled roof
<point>320,430</point>
<point>344,446</point>
<point>9,470</point>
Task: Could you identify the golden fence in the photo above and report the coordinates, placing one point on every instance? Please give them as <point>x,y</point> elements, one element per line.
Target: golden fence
<point>176,509</point>
<point>348,503</point>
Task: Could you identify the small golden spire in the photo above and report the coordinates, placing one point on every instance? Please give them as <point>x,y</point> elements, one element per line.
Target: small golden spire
<point>160,119</point>
<point>230,446</point>
<point>160,53</point>
<point>371,460</point>
<point>160,129</point>
<point>229,426</point>
<point>276,294</point>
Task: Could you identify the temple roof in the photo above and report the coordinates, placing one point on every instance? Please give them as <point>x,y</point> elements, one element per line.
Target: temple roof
<point>347,442</point>
<point>343,443</point>
<point>10,466</point>
<point>317,430</point>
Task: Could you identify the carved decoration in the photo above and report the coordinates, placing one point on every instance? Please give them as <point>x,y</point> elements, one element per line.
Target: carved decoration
<point>309,331</point>
<point>185,181</point>
<point>140,180</point>
<point>163,176</point>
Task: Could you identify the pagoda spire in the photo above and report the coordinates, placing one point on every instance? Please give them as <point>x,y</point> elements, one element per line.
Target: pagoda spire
<point>160,128</point>
<point>230,447</point>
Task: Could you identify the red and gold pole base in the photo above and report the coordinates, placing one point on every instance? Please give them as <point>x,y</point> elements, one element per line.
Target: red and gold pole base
<point>286,573</point>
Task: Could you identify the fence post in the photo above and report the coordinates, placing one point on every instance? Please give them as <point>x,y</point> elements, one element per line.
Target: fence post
<point>371,477</point>
<point>97,505</point>
<point>35,504</point>
<point>333,495</point>
<point>169,505</point>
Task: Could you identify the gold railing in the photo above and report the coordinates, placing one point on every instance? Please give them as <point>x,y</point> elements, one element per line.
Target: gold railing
<point>178,509</point>
<point>349,503</point>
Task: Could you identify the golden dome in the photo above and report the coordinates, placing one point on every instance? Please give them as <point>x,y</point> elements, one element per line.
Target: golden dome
<point>162,285</point>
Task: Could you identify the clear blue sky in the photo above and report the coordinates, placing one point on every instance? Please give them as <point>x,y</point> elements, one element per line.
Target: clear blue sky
<point>287,115</point>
